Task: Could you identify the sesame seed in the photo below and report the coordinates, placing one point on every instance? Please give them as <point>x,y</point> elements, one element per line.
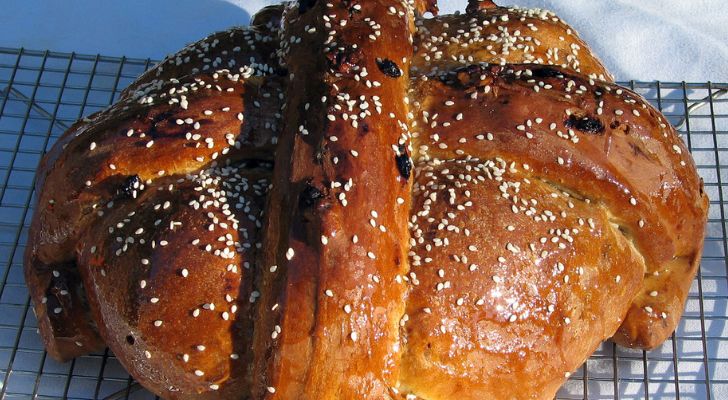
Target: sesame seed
<point>290,253</point>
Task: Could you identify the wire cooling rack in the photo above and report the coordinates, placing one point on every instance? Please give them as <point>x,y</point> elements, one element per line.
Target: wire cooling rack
<point>43,93</point>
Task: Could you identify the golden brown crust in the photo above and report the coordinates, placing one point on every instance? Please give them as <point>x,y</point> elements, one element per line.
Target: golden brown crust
<point>502,36</point>
<point>111,164</point>
<point>436,227</point>
<point>338,299</point>
<point>170,283</point>
<point>506,303</point>
<point>598,141</point>
<point>251,47</point>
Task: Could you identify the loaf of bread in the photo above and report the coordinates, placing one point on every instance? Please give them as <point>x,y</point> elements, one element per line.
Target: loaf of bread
<point>355,199</point>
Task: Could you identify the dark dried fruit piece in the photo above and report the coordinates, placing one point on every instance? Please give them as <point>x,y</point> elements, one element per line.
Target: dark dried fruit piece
<point>389,68</point>
<point>585,124</point>
<point>129,188</point>
<point>404,165</point>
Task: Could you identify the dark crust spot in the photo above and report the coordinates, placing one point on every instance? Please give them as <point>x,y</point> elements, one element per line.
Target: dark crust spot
<point>547,72</point>
<point>129,187</point>
<point>254,164</point>
<point>158,119</point>
<point>389,67</point>
<point>637,150</point>
<point>404,165</point>
<point>305,5</point>
<point>475,75</point>
<point>350,5</point>
<point>343,60</point>
<point>130,339</point>
<point>309,196</point>
<point>586,124</point>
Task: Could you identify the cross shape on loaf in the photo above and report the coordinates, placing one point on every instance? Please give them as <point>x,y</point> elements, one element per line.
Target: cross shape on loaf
<point>350,200</point>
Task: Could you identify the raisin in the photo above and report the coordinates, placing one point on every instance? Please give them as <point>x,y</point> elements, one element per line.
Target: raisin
<point>586,124</point>
<point>389,68</point>
<point>404,165</point>
<point>129,188</point>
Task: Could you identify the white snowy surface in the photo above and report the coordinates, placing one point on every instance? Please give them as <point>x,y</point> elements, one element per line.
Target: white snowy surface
<point>668,40</point>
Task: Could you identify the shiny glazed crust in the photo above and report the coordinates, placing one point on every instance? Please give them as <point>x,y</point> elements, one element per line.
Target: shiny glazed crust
<point>350,200</point>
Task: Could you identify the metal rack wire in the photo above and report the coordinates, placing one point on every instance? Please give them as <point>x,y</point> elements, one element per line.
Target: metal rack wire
<point>42,93</point>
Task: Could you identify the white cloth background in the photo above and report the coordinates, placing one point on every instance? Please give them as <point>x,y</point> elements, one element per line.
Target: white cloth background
<point>668,40</point>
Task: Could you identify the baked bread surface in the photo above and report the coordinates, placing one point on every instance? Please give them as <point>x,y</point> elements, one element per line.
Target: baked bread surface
<point>348,199</point>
